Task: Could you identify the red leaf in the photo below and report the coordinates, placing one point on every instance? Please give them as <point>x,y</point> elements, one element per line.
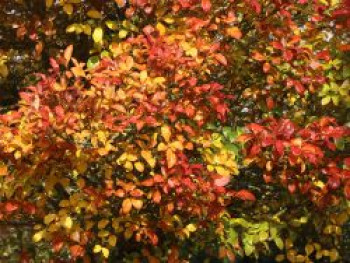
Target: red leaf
<point>77,251</point>
<point>221,58</point>
<point>206,5</point>
<point>266,67</point>
<point>11,206</point>
<point>245,195</point>
<point>347,191</point>
<point>255,128</point>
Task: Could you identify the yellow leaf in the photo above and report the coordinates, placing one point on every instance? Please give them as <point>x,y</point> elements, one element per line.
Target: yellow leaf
<point>112,240</point>
<point>78,72</point>
<point>137,203</point>
<point>166,133</point>
<point>162,147</point>
<point>38,236</point>
<point>139,167</point>
<point>161,28</point>
<point>169,20</point>
<point>68,223</point>
<point>68,9</point>
<point>191,227</point>
<point>97,249</point>
<point>94,14</point>
<point>131,157</point>
<point>101,136</point>
<point>71,28</point>
<point>147,155</point>
<point>97,36</point>
<point>143,75</point>
<point>193,52</point>
<point>49,218</point>
<point>171,158</point>
<point>122,33</point>
<point>177,145</point>
<point>111,24</point>
<point>222,171</point>
<point>128,166</point>
<point>326,100</point>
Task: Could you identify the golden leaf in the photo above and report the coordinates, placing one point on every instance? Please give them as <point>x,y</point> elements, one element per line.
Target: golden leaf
<point>143,75</point>
<point>102,223</point>
<point>126,206</point>
<point>94,14</point>
<point>49,218</point>
<point>234,32</point>
<point>139,167</point>
<point>68,53</point>
<point>49,3</point>
<point>166,133</point>
<point>137,203</point>
<point>112,240</point>
<point>67,223</point>
<point>171,158</point>
<point>147,155</point>
<point>161,28</point>
<point>68,9</point>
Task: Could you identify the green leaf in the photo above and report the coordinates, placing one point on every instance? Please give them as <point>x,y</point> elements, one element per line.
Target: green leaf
<point>92,62</point>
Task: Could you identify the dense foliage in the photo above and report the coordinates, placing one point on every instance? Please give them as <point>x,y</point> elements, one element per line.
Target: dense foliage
<point>171,131</point>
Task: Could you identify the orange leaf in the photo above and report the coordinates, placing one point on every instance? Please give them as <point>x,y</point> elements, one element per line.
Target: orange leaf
<point>234,32</point>
<point>171,158</point>
<point>157,197</point>
<point>120,3</point>
<point>221,58</point>
<point>126,206</point>
<point>77,251</point>
<point>3,170</point>
<point>206,5</point>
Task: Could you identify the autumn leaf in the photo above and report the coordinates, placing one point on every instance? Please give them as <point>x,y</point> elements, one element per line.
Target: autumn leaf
<point>234,32</point>
<point>126,206</point>
<point>68,54</point>
<point>3,170</point>
<point>171,158</point>
<point>147,155</point>
<point>206,5</point>
<point>97,35</point>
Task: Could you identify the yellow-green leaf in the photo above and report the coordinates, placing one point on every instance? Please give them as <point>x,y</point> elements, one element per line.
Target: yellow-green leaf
<point>122,33</point>
<point>38,236</point>
<point>97,36</point>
